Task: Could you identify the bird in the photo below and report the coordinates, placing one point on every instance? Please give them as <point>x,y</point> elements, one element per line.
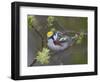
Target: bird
<point>58,41</point>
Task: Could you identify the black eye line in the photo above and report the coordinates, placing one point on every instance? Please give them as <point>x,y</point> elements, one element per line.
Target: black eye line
<point>52,36</point>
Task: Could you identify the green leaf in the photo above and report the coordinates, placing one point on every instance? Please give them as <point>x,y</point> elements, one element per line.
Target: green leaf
<point>43,56</point>
<point>50,21</point>
<point>79,38</point>
<point>30,21</point>
<point>53,30</point>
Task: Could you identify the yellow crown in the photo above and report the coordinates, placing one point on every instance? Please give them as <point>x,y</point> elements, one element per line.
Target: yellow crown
<point>49,34</point>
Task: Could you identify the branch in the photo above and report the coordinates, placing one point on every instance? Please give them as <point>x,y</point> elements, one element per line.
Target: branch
<point>42,38</point>
<point>73,32</point>
<point>34,61</point>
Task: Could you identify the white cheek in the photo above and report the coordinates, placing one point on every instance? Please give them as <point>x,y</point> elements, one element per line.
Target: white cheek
<point>55,36</point>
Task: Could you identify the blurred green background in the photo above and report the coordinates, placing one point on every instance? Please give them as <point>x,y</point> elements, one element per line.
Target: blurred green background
<point>77,54</point>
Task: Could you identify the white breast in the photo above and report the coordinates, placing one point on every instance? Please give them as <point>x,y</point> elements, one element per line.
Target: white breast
<point>54,47</point>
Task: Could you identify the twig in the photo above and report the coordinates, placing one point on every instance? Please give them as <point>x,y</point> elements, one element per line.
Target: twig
<point>42,38</point>
<point>74,32</point>
<point>34,61</point>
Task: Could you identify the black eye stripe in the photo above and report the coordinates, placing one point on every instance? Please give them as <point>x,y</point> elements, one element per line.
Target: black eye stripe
<point>52,37</point>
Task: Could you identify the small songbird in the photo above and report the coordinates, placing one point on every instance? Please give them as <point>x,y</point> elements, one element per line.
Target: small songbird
<point>58,41</point>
